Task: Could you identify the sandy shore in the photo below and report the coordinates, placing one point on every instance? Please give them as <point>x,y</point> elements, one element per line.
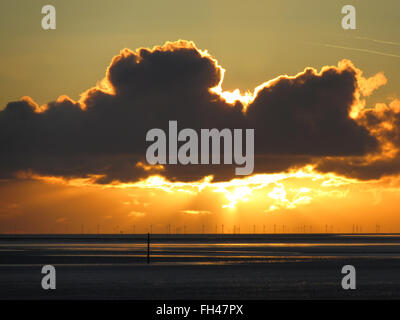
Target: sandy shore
<point>270,267</point>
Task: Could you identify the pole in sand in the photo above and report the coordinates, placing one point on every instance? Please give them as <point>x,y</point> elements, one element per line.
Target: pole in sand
<point>148,247</point>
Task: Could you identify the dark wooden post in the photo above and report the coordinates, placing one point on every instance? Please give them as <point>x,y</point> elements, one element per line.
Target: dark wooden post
<point>148,248</point>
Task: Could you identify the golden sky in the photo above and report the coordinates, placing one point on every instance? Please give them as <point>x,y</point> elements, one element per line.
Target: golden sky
<point>328,98</point>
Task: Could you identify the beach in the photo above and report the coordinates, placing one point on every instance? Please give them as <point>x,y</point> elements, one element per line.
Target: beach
<point>252,266</point>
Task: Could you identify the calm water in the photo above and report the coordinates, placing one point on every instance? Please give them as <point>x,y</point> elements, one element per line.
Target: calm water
<point>195,248</point>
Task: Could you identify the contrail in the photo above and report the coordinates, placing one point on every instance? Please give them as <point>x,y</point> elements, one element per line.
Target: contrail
<point>379,41</point>
<point>363,50</point>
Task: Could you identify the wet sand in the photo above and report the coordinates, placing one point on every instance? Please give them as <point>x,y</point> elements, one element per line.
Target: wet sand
<point>200,266</point>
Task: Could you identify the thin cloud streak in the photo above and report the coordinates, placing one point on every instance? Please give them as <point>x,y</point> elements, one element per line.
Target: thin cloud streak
<point>379,41</point>
<point>362,50</point>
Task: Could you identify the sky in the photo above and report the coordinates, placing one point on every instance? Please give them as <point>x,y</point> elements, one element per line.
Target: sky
<point>72,138</point>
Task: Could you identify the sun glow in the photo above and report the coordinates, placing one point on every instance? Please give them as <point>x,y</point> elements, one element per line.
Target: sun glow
<point>292,198</point>
<point>279,190</point>
<point>231,97</point>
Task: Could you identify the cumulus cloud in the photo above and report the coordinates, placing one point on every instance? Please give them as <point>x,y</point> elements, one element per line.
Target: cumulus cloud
<point>383,121</point>
<point>297,120</point>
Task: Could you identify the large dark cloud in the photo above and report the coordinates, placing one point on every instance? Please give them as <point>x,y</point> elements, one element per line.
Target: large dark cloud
<point>308,115</point>
<point>360,168</point>
<point>384,122</point>
<point>297,120</point>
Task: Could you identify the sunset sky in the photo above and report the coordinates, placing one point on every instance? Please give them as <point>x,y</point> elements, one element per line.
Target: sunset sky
<point>76,103</point>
